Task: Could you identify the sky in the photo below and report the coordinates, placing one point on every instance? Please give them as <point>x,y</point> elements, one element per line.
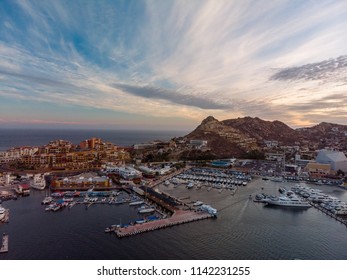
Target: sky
<point>167,65</point>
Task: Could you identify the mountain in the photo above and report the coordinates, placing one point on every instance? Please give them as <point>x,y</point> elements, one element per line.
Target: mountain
<point>237,137</point>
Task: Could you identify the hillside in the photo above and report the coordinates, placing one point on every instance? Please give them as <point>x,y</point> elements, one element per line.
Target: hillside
<point>237,137</point>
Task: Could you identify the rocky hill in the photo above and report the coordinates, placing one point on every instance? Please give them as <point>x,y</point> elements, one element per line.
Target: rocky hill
<point>237,137</point>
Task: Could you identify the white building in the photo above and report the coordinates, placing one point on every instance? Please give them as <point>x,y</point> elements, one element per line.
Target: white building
<point>126,172</point>
<point>336,159</point>
<point>271,143</point>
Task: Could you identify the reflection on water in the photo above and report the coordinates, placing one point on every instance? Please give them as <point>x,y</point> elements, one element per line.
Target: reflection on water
<point>287,209</point>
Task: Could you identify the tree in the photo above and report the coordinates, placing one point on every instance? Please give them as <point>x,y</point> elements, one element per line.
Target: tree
<point>340,173</point>
<point>255,154</point>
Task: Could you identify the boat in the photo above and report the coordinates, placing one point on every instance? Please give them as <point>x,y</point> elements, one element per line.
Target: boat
<point>72,204</point>
<point>198,203</point>
<point>276,179</point>
<point>56,208</point>
<point>38,182</point>
<point>146,210</point>
<point>47,200</point>
<point>190,185</point>
<point>288,201</point>
<point>108,229</point>
<point>57,194</point>
<point>261,197</point>
<point>340,212</point>
<point>207,208</point>
<point>282,190</point>
<point>50,207</point>
<point>134,203</point>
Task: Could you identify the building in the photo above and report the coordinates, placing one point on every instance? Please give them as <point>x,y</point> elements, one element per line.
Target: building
<point>292,169</point>
<point>274,156</point>
<point>61,154</point>
<point>6,178</point>
<point>318,170</point>
<point>93,143</point>
<point>125,172</point>
<point>144,146</point>
<point>82,182</point>
<point>146,171</point>
<point>336,159</point>
<point>198,144</point>
<point>14,154</point>
<point>271,143</point>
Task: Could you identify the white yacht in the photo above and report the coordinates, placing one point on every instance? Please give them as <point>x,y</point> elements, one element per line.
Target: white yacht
<point>38,182</point>
<point>208,209</point>
<point>138,202</point>
<point>198,203</point>
<point>190,185</point>
<point>276,179</point>
<point>288,201</point>
<point>146,210</point>
<point>47,200</point>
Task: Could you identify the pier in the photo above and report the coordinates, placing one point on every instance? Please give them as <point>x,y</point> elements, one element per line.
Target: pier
<point>4,246</point>
<point>179,217</point>
<point>325,211</point>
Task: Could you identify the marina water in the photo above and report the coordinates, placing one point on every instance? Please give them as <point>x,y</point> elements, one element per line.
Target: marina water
<point>243,230</point>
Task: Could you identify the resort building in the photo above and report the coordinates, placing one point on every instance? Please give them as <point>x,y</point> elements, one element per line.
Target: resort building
<point>81,182</point>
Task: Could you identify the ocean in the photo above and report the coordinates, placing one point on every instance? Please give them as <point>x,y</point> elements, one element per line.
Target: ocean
<point>36,137</point>
<point>243,230</point>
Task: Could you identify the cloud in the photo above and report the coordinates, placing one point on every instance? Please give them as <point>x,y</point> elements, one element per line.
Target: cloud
<point>171,95</point>
<point>178,59</point>
<point>324,70</point>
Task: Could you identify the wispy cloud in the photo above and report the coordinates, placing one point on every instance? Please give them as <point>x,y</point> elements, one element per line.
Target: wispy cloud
<point>178,59</point>
<point>332,69</point>
<point>171,95</point>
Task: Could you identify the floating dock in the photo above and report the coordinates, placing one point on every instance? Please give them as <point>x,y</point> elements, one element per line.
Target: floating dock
<point>179,217</point>
<point>4,246</point>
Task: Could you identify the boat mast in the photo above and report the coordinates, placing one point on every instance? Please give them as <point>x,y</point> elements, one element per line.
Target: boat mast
<point>284,161</point>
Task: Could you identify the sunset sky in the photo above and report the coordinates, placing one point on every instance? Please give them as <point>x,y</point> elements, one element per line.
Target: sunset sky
<point>169,64</point>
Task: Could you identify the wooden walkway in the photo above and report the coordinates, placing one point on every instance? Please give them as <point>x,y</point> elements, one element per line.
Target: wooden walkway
<point>179,217</point>
<point>4,246</point>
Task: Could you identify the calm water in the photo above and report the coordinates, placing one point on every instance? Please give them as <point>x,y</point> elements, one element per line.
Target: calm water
<point>243,229</point>
<point>36,137</point>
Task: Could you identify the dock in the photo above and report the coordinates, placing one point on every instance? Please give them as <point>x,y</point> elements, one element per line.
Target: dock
<point>179,217</point>
<point>332,215</point>
<point>4,246</point>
